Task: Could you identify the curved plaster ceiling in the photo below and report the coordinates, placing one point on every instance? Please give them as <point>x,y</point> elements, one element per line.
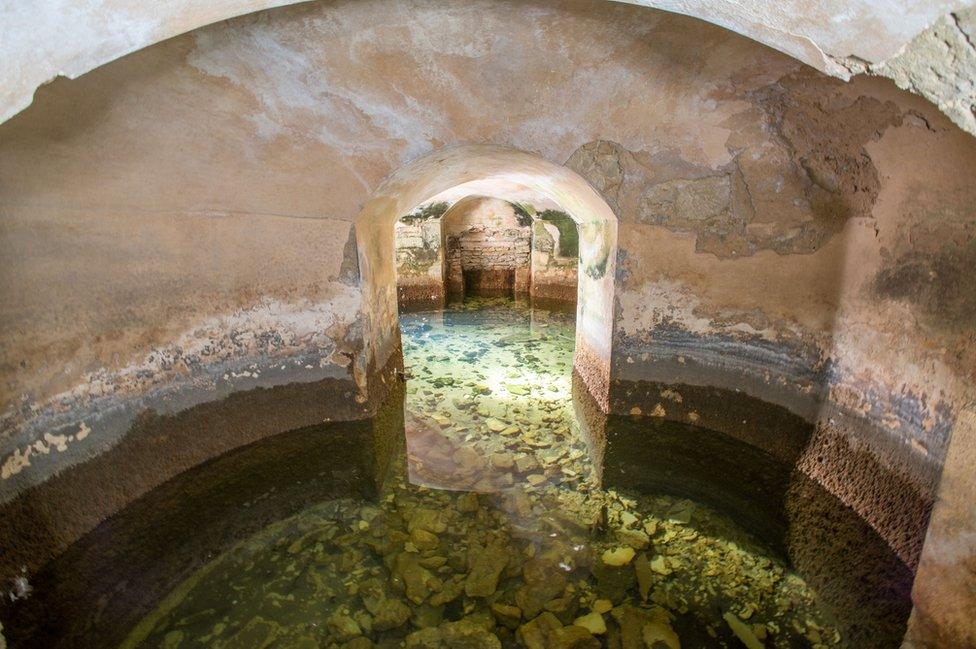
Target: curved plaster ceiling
<point>48,38</point>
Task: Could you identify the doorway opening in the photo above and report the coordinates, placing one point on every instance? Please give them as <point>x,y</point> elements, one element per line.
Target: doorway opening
<point>427,189</point>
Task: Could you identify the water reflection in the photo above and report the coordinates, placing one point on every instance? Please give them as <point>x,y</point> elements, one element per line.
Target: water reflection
<point>499,511</point>
<point>488,398</point>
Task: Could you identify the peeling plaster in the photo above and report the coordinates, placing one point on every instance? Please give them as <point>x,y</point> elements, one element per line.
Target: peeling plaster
<point>270,343</point>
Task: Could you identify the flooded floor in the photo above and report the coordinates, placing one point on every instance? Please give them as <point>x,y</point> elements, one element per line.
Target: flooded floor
<point>492,530</point>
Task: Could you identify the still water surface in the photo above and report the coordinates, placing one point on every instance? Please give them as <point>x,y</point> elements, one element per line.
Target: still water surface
<point>491,529</point>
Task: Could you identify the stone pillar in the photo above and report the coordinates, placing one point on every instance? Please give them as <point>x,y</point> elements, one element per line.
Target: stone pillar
<point>943,615</point>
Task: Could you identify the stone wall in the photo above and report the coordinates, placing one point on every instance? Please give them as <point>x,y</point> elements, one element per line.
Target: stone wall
<point>420,259</point>
<point>490,246</point>
<point>555,260</point>
<point>783,237</point>
<point>439,245</point>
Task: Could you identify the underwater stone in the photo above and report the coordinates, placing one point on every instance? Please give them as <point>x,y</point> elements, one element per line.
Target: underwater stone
<point>468,633</point>
<point>468,459</point>
<point>427,615</point>
<point>450,591</point>
<point>618,556</point>
<point>742,631</point>
<point>534,634</point>
<point>613,582</point>
<point>633,621</point>
<point>660,565</point>
<point>171,640</point>
<point>507,615</point>
<point>544,581</point>
<point>427,519</point>
<point>502,460</point>
<point>636,539</point>
<point>468,503</point>
<point>592,622</point>
<point>526,463</point>
<point>602,606</point>
<point>645,576</point>
<point>342,626</point>
<point>257,633</point>
<point>659,635</point>
<point>486,567</point>
<point>564,608</point>
<point>393,614</point>
<point>573,637</point>
<point>423,540</point>
<point>416,579</point>
<point>429,638</point>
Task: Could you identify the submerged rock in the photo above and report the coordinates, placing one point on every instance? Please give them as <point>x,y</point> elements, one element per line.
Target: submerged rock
<point>495,425</point>
<point>463,634</point>
<point>502,460</point>
<point>486,567</point>
<point>573,637</point>
<point>544,581</point>
<point>427,519</point>
<point>357,643</point>
<point>391,615</point>
<point>659,635</point>
<point>342,626</point>
<point>636,539</point>
<point>645,575</point>
<point>592,622</point>
<point>468,503</point>
<point>417,580</point>
<point>535,633</point>
<point>509,616</point>
<point>743,632</point>
<point>660,565</point>
<point>613,582</point>
<point>618,556</point>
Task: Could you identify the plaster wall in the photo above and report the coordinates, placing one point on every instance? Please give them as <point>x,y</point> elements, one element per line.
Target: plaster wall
<point>903,40</point>
<point>178,226</point>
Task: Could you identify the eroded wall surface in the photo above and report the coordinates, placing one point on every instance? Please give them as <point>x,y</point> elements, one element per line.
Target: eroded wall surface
<point>555,257</point>
<point>176,226</point>
<point>420,257</point>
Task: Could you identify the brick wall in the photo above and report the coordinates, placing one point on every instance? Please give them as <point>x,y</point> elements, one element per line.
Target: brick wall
<point>481,246</point>
<point>489,249</point>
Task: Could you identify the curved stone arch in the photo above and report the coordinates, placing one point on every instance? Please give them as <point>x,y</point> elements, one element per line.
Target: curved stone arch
<point>489,170</point>
<point>49,38</point>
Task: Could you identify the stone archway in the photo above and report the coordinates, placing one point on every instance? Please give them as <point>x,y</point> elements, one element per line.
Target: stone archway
<point>500,172</point>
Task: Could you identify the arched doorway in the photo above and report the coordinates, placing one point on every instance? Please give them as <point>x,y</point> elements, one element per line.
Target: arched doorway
<point>504,173</point>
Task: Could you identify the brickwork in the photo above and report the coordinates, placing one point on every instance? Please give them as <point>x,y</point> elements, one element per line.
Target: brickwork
<point>480,246</point>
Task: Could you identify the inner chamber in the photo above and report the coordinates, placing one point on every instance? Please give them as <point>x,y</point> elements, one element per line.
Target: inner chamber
<point>486,247</point>
<point>555,324</point>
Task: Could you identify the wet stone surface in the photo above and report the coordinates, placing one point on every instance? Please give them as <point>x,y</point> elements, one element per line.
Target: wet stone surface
<point>492,532</point>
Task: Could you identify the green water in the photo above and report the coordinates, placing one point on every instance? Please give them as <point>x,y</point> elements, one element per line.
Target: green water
<point>492,531</point>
